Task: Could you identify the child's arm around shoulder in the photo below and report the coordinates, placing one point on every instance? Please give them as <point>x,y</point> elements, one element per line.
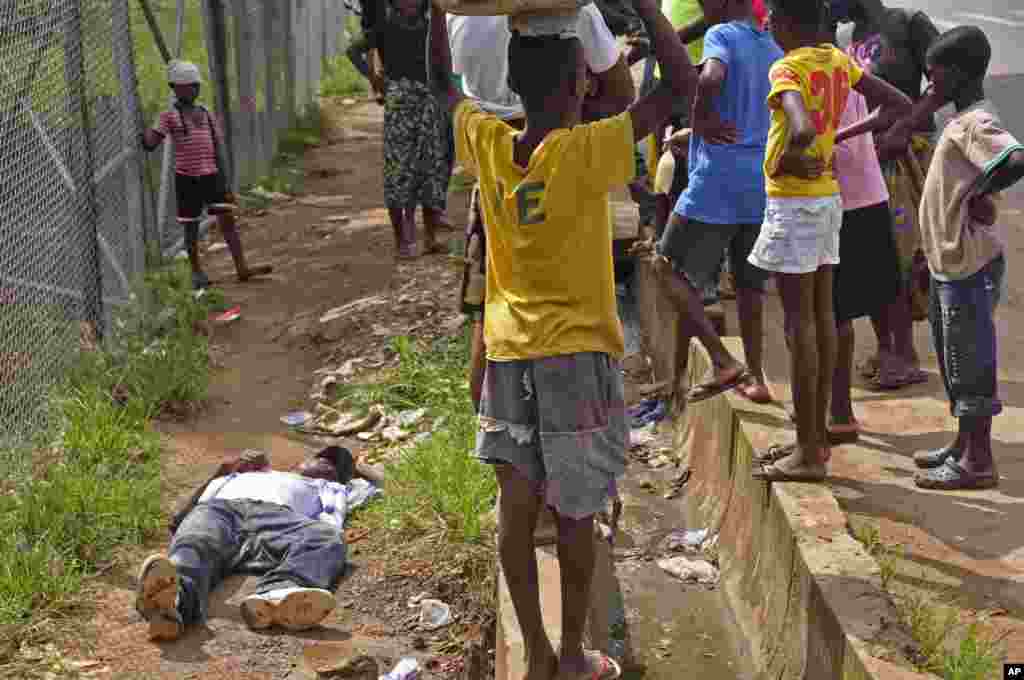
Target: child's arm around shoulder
<point>889,103</point>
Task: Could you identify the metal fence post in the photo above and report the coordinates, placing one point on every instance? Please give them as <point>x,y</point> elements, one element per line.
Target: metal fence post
<point>270,119</point>
<point>216,46</point>
<point>80,164</point>
<point>246,86</point>
<point>288,23</point>
<point>131,128</point>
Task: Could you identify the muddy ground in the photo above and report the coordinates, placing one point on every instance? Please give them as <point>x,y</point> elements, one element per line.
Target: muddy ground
<point>265,368</point>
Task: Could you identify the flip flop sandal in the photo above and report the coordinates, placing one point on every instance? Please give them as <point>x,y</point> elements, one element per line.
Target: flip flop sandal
<point>752,386</point>
<point>772,473</point>
<point>926,460</point>
<point>709,389</point>
<point>913,376</point>
<point>775,452</point>
<point>609,668</point>
<point>951,477</point>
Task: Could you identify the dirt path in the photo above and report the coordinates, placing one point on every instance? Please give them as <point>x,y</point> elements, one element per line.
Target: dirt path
<point>266,364</point>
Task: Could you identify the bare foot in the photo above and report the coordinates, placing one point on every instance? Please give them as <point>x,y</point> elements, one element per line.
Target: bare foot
<point>723,378</point>
<point>591,666</point>
<point>796,467</point>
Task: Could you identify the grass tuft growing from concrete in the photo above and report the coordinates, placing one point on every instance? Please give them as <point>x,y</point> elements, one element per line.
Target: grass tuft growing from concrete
<point>946,645</point>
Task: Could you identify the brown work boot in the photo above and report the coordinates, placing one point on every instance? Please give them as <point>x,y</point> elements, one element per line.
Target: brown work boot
<point>156,598</point>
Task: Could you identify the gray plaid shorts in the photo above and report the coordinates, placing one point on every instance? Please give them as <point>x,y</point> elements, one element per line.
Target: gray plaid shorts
<point>561,423</point>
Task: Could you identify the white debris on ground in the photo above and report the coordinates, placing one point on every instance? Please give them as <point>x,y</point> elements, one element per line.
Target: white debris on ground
<point>687,570</point>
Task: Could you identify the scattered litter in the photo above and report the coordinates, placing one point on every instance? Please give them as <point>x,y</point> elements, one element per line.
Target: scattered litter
<point>217,247</point>
<point>355,306</point>
<point>367,436</point>
<point>641,408</point>
<point>654,389</point>
<point>690,570</point>
<point>685,540</point>
<point>660,462</point>
<point>338,424</point>
<point>275,196</point>
<point>182,255</point>
<point>338,219</point>
<point>393,434</point>
<point>411,417</point>
<point>296,418</point>
<point>641,436</point>
<point>339,201</point>
<point>233,314</point>
<point>653,414</point>
<point>414,601</point>
<point>348,369</point>
<point>677,484</point>
<point>434,614</point>
<point>421,437</point>
<point>348,101</point>
<point>199,294</point>
<point>407,669</point>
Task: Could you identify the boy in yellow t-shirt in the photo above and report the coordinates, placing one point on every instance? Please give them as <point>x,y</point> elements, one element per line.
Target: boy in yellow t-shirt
<point>552,412</point>
<point>799,240</point>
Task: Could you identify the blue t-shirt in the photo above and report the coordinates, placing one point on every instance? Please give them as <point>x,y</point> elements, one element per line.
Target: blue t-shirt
<point>727,181</point>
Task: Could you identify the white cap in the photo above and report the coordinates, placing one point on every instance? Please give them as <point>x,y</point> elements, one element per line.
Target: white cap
<point>183,73</point>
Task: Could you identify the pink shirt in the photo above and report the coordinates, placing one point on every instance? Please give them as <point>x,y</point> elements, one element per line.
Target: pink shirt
<point>861,183</point>
<point>194,153</point>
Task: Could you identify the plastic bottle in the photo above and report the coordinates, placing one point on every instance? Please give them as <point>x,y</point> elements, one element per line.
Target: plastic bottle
<point>407,669</point>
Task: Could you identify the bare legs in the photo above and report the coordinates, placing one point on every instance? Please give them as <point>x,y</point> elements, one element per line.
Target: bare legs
<point>520,510</point>
<point>811,332</point>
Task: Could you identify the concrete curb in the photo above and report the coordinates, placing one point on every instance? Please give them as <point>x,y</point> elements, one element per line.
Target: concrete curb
<point>806,595</point>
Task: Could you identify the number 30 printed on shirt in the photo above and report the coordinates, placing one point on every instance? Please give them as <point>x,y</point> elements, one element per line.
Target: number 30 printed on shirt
<point>828,93</point>
<point>832,93</point>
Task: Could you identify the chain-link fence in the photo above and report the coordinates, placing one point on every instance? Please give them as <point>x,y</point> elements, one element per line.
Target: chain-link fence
<point>80,203</point>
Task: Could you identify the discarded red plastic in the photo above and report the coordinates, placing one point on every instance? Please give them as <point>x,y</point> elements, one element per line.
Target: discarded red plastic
<point>230,315</point>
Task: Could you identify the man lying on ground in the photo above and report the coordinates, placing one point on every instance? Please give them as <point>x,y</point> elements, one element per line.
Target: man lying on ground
<point>285,527</point>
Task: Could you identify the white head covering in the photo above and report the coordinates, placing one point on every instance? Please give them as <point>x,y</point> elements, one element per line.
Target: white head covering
<point>183,73</point>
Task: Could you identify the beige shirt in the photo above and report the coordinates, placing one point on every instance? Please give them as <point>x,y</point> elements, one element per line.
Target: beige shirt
<point>972,146</point>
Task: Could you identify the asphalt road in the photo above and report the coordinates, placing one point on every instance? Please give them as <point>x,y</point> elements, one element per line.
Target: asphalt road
<point>1003,22</point>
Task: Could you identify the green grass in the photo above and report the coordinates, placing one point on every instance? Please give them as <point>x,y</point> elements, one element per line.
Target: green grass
<point>934,622</point>
<point>341,79</point>
<point>91,483</point>
<point>437,487</point>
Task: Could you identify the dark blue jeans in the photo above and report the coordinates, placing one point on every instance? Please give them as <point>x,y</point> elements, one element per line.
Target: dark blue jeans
<point>223,537</point>
<point>963,327</point>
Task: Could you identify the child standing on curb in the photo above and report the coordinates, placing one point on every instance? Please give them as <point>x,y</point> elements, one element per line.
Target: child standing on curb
<point>199,180</point>
<point>975,159</point>
<point>799,240</point>
<point>552,412</point>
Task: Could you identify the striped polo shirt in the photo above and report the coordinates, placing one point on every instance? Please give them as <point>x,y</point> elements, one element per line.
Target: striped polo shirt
<point>194,149</point>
